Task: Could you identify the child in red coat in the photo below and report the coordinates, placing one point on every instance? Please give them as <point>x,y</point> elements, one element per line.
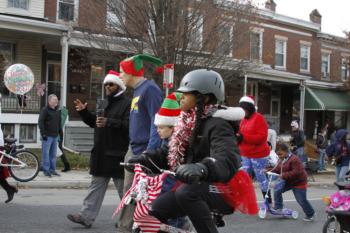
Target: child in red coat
<point>292,177</point>
<point>252,142</point>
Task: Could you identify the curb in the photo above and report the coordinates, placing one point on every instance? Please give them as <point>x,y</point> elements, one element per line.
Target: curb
<point>57,185</point>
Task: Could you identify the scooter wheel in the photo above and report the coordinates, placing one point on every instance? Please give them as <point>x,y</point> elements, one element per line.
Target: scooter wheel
<point>262,213</point>
<point>295,214</point>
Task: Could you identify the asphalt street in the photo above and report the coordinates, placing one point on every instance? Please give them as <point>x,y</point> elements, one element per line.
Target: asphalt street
<point>45,210</point>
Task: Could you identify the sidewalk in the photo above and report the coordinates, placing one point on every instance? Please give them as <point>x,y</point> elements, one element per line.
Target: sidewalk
<point>77,179</point>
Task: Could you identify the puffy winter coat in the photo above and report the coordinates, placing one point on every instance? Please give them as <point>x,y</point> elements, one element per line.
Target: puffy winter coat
<point>216,147</point>
<point>254,131</point>
<point>292,171</point>
<point>110,142</point>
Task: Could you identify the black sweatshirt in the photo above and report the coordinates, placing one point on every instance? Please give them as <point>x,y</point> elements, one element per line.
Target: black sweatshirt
<point>49,122</point>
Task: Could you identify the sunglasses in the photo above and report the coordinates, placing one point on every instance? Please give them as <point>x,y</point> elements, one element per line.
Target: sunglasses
<point>109,84</point>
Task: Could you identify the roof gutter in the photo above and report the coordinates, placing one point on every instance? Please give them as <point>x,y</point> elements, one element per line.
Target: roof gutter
<point>30,25</point>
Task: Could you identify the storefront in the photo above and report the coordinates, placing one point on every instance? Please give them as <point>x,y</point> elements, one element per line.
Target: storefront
<point>325,106</point>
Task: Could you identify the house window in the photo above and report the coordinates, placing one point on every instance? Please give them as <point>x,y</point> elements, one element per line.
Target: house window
<point>20,4</point>
<point>256,46</point>
<point>66,9</point>
<point>280,53</point>
<point>7,57</point>
<point>27,133</point>
<point>97,72</point>
<point>344,69</point>
<point>275,107</point>
<point>8,130</point>
<point>115,14</point>
<point>225,44</point>
<point>325,66</point>
<point>53,79</point>
<point>304,58</point>
<point>196,31</point>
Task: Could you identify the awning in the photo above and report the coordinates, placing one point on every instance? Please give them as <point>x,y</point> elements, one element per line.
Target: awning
<point>325,99</point>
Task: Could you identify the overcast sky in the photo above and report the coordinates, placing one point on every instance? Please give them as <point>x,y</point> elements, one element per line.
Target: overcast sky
<point>335,13</point>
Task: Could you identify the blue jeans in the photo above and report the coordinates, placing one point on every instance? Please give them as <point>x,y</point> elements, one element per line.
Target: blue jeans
<point>322,156</point>
<point>257,166</point>
<point>301,155</point>
<point>340,172</point>
<point>48,153</point>
<point>300,197</point>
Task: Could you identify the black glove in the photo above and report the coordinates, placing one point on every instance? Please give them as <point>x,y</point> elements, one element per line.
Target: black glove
<point>192,173</point>
<point>44,137</point>
<point>133,160</point>
<point>239,137</point>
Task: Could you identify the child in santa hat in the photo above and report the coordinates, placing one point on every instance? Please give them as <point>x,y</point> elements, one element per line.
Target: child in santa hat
<point>252,142</point>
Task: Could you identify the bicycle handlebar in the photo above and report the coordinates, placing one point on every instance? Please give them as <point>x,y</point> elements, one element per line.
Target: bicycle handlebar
<point>161,170</point>
<point>272,174</point>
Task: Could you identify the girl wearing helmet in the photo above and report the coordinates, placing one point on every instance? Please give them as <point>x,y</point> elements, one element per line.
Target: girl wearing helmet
<point>202,150</point>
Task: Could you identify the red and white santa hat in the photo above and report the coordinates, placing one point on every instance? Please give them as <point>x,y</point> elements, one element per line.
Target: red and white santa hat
<point>169,112</point>
<point>248,99</point>
<point>113,77</point>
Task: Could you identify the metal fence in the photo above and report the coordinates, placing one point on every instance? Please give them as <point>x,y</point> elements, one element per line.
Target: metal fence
<point>12,103</point>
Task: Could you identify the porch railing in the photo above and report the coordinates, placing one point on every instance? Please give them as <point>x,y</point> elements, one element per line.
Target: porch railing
<point>11,104</point>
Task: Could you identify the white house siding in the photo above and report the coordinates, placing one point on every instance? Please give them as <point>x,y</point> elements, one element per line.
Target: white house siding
<point>29,52</point>
<point>36,9</point>
<point>28,49</point>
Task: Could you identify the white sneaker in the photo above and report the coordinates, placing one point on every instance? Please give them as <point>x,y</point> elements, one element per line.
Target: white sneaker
<point>309,219</point>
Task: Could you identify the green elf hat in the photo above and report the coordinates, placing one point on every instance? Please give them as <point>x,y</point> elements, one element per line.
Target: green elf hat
<point>169,112</point>
<point>134,65</point>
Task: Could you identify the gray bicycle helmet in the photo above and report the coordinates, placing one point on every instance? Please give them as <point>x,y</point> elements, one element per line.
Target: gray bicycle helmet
<point>205,82</point>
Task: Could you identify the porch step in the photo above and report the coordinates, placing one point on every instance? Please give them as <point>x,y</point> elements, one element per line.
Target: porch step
<point>84,136</point>
<point>79,138</point>
<point>82,141</point>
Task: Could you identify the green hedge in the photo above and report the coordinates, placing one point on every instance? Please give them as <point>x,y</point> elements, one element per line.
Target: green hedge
<point>76,161</point>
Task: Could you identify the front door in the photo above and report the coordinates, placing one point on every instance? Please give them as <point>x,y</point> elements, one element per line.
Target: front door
<point>53,79</point>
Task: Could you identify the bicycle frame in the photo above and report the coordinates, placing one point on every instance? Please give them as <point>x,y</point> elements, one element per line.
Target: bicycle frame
<point>5,155</point>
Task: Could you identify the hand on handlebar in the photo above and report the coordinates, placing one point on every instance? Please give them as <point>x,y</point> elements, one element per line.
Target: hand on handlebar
<point>272,174</point>
<point>191,173</point>
<point>134,160</point>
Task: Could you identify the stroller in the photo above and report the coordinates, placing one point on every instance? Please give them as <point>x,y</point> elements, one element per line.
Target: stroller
<point>338,209</point>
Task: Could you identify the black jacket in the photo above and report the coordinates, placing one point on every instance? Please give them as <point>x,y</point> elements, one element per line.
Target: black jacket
<point>216,147</point>
<point>111,142</point>
<point>49,122</point>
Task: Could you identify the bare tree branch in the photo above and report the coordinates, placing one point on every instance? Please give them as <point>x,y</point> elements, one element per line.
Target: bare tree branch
<point>189,33</point>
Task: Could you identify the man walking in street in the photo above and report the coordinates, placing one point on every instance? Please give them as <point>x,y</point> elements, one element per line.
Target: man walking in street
<point>297,141</point>
<point>50,126</point>
<point>111,124</point>
<point>146,102</point>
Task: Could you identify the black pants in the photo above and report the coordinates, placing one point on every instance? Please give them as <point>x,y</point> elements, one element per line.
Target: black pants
<point>194,201</point>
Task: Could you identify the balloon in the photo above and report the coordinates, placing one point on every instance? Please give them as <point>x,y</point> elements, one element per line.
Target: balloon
<point>19,79</point>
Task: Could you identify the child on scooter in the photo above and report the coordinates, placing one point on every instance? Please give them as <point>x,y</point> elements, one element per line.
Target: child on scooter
<point>292,177</point>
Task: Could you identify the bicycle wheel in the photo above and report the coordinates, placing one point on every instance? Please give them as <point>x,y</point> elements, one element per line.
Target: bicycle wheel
<point>27,172</point>
<point>331,226</point>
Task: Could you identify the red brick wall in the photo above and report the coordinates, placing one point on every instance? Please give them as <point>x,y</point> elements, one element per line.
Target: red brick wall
<point>92,14</point>
<point>50,10</point>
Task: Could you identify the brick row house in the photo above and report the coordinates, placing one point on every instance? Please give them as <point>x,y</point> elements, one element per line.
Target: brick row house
<point>299,73</point>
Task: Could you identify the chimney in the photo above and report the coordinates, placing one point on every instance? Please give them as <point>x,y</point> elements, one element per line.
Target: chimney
<point>270,5</point>
<point>315,16</point>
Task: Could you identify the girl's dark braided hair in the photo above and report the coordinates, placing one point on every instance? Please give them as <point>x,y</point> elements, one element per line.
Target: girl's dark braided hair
<point>199,113</point>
